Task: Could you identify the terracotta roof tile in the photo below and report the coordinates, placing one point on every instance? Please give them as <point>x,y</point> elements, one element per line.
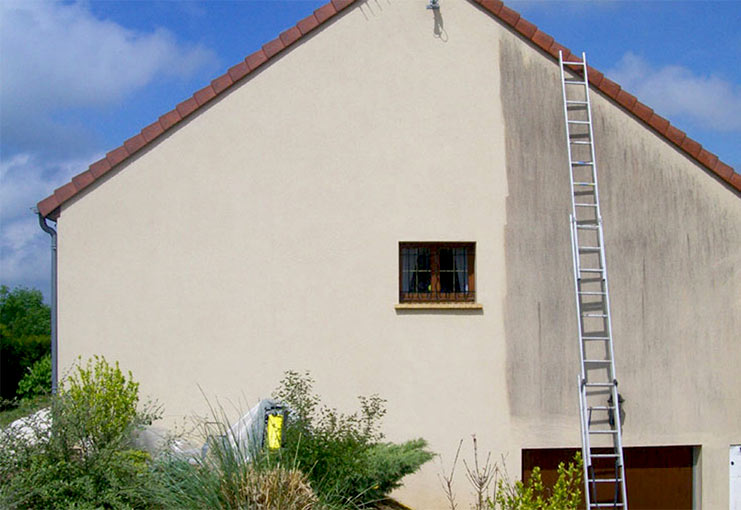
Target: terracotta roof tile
<point>707,158</point>
<point>223,82</point>
<point>239,71</point>
<point>117,155</point>
<point>609,87</point>
<point>340,5</point>
<point>152,131</point>
<point>543,40</point>
<point>307,24</point>
<point>100,167</point>
<point>50,205</point>
<point>493,6</point>
<point>675,135</point>
<point>556,47</point>
<point>169,119</point>
<point>290,36</point>
<point>325,12</point>
<point>83,180</point>
<point>257,59</point>
<point>735,181</point>
<point>65,192</point>
<point>642,111</point>
<point>659,123</point>
<point>725,171</point>
<point>595,76</point>
<point>526,28</point>
<point>204,95</point>
<point>135,143</point>
<point>47,205</point>
<point>187,107</point>
<point>509,16</point>
<point>273,47</point>
<point>626,99</point>
<point>691,147</point>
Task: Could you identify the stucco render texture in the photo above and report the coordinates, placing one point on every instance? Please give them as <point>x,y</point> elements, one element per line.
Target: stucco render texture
<point>262,235</point>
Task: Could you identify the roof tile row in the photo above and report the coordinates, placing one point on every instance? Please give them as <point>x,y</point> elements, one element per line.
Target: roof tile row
<point>50,205</point>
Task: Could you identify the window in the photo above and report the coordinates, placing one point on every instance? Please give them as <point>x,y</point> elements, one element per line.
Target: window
<point>436,272</point>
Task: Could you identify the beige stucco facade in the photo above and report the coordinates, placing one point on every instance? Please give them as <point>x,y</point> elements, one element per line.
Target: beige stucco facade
<point>262,235</point>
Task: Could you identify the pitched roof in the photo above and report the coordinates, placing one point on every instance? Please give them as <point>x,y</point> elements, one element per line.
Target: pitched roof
<point>49,207</point>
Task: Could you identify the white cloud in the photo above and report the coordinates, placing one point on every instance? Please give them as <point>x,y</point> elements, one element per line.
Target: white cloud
<point>24,247</point>
<point>60,56</point>
<point>710,101</point>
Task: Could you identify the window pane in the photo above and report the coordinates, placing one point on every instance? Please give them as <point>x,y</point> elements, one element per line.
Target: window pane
<point>416,275</point>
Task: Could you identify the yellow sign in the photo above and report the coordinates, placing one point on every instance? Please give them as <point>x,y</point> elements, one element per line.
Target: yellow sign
<point>275,428</point>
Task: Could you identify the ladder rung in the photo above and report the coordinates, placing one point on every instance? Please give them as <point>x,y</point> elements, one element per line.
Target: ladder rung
<point>595,338</point>
<point>602,408</point>
<point>599,384</point>
<point>575,82</point>
<point>581,142</point>
<point>591,293</point>
<point>604,455</point>
<point>571,101</point>
<point>582,163</point>
<point>605,480</point>
<point>578,121</point>
<point>597,361</point>
<point>595,315</point>
<point>605,505</point>
<point>588,249</point>
<point>583,184</point>
<point>603,431</point>
<point>585,205</point>
<point>587,227</point>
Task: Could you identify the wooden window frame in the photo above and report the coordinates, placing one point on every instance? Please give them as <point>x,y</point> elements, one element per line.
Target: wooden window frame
<point>435,296</point>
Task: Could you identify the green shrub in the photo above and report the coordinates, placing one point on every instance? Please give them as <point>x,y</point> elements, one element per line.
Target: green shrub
<point>37,381</point>
<point>533,495</point>
<point>343,454</point>
<point>82,456</point>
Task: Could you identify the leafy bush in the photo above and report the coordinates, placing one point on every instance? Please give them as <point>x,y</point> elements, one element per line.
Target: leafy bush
<point>78,454</point>
<point>343,454</point>
<point>533,495</point>
<point>37,381</point>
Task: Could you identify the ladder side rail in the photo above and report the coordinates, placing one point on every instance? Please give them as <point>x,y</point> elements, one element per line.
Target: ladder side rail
<point>586,457</point>
<point>580,318</point>
<point>591,136</point>
<point>614,389</point>
<point>568,140</point>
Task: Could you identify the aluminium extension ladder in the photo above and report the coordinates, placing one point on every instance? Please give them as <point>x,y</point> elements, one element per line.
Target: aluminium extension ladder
<point>599,401</point>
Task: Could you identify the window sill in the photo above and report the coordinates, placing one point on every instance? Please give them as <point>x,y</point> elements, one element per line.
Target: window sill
<point>439,306</point>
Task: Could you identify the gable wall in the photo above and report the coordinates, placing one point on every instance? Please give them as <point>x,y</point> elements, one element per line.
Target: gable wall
<point>263,236</point>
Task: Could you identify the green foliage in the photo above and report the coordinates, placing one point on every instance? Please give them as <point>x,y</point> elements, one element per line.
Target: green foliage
<point>37,381</point>
<point>99,404</point>
<point>342,454</point>
<point>79,454</point>
<point>532,495</point>
<point>24,335</point>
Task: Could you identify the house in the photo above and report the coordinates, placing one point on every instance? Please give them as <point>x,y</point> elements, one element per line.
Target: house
<point>302,210</point>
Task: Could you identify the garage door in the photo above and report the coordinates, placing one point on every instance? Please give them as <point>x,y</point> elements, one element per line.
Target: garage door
<point>658,477</point>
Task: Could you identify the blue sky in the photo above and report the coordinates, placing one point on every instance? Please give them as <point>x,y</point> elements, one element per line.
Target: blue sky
<point>78,78</point>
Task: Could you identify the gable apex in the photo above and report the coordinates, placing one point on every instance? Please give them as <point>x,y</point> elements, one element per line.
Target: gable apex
<point>50,206</point>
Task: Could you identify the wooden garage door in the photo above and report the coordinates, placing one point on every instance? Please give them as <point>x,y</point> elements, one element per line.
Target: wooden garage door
<point>658,477</point>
